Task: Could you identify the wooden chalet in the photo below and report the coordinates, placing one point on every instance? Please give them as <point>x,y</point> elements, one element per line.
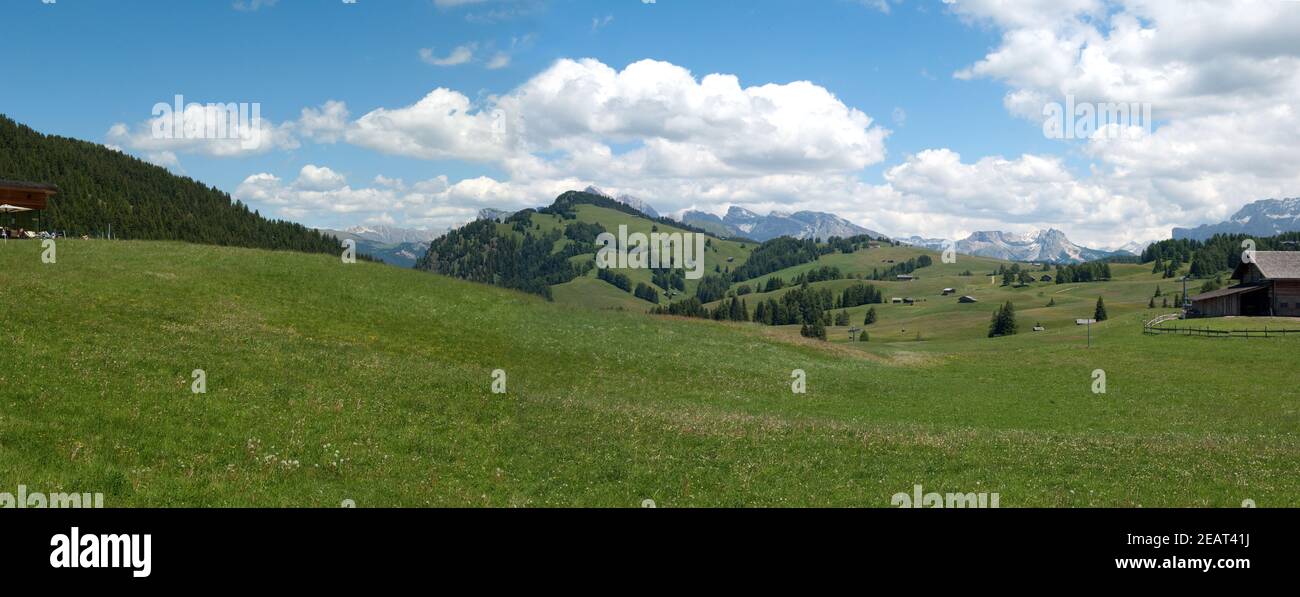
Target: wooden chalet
<point>23,201</point>
<point>1269,286</point>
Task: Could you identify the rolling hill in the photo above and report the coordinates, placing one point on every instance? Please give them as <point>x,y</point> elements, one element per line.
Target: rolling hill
<point>101,188</point>
<point>328,381</point>
<point>540,251</point>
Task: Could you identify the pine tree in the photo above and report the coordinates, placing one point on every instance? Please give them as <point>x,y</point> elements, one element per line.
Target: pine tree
<point>1100,315</point>
<point>1004,321</point>
<point>871,317</point>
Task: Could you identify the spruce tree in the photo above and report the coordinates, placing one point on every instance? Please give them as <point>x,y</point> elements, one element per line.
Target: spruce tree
<point>818,330</point>
<point>1100,315</point>
<point>1004,321</point>
<point>871,317</point>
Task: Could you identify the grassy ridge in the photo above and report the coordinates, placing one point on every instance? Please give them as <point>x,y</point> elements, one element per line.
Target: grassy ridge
<point>329,382</point>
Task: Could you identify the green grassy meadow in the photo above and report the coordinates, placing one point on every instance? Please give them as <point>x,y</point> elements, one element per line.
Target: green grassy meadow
<point>328,382</point>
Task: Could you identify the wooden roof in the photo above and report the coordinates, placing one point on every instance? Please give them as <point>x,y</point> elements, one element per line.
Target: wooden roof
<point>1222,292</point>
<point>1274,265</point>
<point>18,185</point>
<point>32,195</point>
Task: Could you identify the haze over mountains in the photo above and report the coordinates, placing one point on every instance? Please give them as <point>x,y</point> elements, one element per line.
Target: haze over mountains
<point>1266,217</point>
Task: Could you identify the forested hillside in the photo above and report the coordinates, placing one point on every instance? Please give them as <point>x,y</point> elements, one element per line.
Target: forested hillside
<point>1219,253</point>
<point>100,187</point>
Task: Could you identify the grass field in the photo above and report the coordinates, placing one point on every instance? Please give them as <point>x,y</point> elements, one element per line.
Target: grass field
<point>328,382</point>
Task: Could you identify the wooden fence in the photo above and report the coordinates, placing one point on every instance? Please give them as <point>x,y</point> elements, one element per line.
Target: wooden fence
<point>1153,328</point>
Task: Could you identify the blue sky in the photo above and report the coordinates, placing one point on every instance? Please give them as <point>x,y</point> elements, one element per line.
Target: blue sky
<point>80,67</point>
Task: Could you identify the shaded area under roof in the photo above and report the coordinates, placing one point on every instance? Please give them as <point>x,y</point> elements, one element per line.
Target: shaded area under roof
<point>1231,290</point>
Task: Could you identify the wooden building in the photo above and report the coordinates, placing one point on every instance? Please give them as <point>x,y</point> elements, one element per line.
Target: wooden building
<point>1269,286</point>
<point>26,201</point>
<point>30,195</point>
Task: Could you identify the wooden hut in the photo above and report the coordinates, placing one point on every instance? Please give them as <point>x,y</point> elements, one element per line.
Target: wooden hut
<point>1269,286</point>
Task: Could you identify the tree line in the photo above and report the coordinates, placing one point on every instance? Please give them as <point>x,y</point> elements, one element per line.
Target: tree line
<point>1220,253</point>
<point>805,306</point>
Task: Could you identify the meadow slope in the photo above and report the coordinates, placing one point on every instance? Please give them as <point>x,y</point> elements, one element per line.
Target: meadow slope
<point>371,383</point>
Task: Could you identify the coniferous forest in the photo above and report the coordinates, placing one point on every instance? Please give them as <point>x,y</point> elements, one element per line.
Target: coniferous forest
<point>100,187</point>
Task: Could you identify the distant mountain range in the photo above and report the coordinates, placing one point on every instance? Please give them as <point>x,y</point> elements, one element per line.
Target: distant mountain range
<point>1266,217</point>
<point>390,244</point>
<point>1132,247</point>
<point>740,222</point>
<point>627,200</point>
<point>1043,246</point>
<point>499,215</point>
